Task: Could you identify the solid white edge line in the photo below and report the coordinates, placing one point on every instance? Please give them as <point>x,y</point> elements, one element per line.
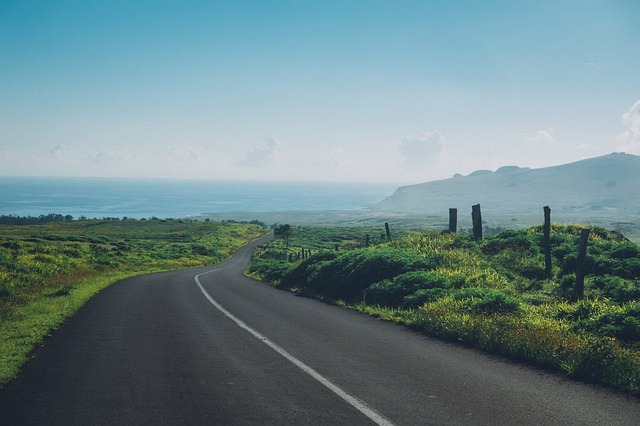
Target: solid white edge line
<point>353,401</point>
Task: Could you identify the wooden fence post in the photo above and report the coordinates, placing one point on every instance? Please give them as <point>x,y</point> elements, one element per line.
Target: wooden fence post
<point>546,230</point>
<point>581,263</point>
<point>476,218</point>
<point>386,228</point>
<point>453,220</point>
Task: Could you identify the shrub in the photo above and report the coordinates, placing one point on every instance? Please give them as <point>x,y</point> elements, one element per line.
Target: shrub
<point>626,250</point>
<point>486,300</point>
<point>565,287</point>
<point>346,275</point>
<point>385,293</point>
<point>509,240</point>
<point>6,290</point>
<point>201,250</point>
<point>615,288</point>
<point>619,322</point>
<point>409,289</point>
<point>299,275</point>
<point>424,295</point>
<point>270,270</point>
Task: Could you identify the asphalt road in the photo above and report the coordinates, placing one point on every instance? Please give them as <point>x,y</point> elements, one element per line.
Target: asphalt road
<point>224,349</point>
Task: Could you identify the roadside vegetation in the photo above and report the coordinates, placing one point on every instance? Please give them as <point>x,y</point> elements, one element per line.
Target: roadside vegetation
<point>492,294</point>
<point>48,271</point>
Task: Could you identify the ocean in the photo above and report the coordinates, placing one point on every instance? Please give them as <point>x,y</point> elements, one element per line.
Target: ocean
<point>145,198</point>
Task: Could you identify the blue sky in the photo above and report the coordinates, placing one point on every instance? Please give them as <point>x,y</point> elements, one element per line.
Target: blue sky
<point>403,91</point>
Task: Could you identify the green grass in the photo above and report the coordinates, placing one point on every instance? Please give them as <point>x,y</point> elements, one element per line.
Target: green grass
<point>493,294</point>
<point>48,271</point>
<point>26,325</point>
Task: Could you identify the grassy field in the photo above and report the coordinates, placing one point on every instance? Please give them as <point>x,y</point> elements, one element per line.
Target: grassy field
<point>494,221</point>
<point>48,271</point>
<point>493,294</point>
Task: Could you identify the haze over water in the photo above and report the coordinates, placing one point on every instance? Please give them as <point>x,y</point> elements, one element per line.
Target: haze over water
<point>138,198</point>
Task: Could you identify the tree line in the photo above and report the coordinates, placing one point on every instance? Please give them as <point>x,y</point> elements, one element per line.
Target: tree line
<point>34,220</point>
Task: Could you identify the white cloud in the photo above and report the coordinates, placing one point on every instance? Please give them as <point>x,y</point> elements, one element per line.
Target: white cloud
<point>57,151</point>
<point>543,136</point>
<point>335,158</point>
<point>332,159</point>
<point>629,141</point>
<point>107,155</point>
<point>11,155</point>
<point>183,153</point>
<point>264,156</point>
<point>420,151</point>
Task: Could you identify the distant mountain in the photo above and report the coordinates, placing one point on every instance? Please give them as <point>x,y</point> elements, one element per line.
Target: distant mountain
<point>609,184</point>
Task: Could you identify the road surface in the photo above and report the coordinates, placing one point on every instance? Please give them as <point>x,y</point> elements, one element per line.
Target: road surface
<point>210,346</point>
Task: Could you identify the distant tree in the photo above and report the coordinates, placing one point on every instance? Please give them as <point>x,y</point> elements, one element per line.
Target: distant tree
<point>33,220</point>
<point>284,232</point>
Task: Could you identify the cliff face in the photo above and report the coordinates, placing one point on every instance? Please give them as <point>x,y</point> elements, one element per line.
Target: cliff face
<point>603,184</point>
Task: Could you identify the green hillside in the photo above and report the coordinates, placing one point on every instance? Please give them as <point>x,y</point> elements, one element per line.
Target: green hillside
<point>493,294</point>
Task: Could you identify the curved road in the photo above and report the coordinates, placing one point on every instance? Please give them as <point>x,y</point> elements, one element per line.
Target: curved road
<point>210,346</point>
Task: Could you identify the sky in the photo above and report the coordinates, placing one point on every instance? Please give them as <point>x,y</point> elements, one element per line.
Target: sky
<point>363,91</point>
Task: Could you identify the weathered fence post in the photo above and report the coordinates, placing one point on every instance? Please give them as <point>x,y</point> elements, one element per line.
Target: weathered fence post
<point>581,263</point>
<point>386,228</point>
<point>367,240</point>
<point>453,220</point>
<point>546,230</point>
<point>476,218</point>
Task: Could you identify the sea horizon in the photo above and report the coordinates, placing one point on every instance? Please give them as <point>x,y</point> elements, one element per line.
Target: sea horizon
<point>178,198</point>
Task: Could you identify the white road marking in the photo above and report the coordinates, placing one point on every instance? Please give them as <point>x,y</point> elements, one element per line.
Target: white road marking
<point>352,400</point>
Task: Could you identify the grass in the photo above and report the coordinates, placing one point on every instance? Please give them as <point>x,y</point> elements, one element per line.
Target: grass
<point>48,271</point>
<point>493,294</point>
<point>26,326</point>
<point>529,337</point>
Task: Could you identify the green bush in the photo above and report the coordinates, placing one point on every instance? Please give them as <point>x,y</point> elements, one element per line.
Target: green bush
<point>511,240</point>
<point>424,295</point>
<point>6,290</point>
<point>619,322</point>
<point>613,287</point>
<point>604,257</point>
<point>626,250</point>
<point>565,289</point>
<point>486,300</point>
<point>201,250</point>
<point>346,275</point>
<point>270,270</point>
<point>299,275</point>
<point>409,289</point>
